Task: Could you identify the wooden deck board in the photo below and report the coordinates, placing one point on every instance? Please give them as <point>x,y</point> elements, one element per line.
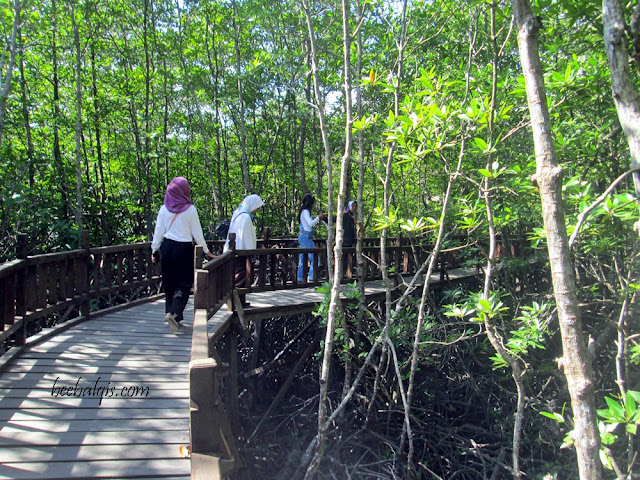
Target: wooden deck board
<point>123,469</point>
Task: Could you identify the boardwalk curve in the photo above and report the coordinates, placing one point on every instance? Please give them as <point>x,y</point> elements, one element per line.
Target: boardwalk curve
<point>49,431</point>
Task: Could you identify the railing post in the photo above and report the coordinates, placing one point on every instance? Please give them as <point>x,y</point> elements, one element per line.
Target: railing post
<point>201,290</point>
<point>198,258</point>
<point>232,276</point>
<point>266,236</point>
<point>85,306</point>
<point>22,248</point>
<point>21,254</point>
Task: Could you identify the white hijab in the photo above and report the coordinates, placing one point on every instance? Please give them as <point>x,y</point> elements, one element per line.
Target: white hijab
<point>242,225</point>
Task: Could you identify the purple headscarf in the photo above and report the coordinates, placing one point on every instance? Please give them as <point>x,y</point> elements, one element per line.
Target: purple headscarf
<point>178,196</point>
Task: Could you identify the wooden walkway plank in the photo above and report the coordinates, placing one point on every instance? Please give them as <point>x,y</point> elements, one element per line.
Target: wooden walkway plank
<point>19,426</point>
<point>122,470</point>
<point>48,439</point>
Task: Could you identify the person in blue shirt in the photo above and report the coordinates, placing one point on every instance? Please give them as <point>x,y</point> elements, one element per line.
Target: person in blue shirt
<point>305,238</point>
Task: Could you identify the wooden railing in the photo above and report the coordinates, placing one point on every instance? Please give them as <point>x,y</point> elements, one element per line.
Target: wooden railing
<point>274,266</point>
<point>39,291</point>
<point>82,282</point>
<point>212,445</point>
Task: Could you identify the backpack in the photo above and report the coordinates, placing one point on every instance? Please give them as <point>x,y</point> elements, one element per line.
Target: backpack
<point>222,229</point>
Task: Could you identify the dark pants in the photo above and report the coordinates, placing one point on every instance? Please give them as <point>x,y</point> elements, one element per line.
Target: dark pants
<point>240,272</point>
<point>177,274</point>
<point>346,256</point>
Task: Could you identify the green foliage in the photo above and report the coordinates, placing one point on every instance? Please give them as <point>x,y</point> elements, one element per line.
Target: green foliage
<point>530,334</point>
<point>161,98</point>
<point>622,411</point>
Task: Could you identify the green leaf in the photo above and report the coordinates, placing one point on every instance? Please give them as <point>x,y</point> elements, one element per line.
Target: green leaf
<point>553,416</point>
<point>485,304</point>
<point>480,143</point>
<point>616,412</point>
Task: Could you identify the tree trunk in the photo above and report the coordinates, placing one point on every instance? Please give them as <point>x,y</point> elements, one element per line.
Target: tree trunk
<point>625,93</point>
<point>27,120</point>
<point>576,360</point>
<point>243,136</point>
<point>57,154</point>
<point>78,128</point>
<point>104,226</point>
<point>303,132</point>
<point>5,83</point>
<point>212,56</point>
<point>148,211</point>
<point>201,124</point>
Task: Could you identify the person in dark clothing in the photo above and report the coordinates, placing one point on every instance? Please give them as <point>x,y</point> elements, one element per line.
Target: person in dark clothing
<point>349,239</point>
<point>177,226</point>
<point>349,224</point>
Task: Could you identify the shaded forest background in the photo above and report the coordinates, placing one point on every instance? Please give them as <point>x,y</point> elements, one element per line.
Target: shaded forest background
<point>102,103</point>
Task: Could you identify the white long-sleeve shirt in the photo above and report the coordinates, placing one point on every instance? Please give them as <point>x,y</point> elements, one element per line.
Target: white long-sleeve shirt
<point>306,221</point>
<point>185,228</point>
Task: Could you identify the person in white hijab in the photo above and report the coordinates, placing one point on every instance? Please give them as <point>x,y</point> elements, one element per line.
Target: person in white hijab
<point>242,225</point>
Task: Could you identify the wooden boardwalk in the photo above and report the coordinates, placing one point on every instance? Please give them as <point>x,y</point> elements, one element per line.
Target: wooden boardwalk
<point>45,433</point>
<point>271,304</point>
<point>109,397</point>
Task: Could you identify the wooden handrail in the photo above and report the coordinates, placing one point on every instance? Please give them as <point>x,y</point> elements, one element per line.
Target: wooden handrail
<point>65,285</point>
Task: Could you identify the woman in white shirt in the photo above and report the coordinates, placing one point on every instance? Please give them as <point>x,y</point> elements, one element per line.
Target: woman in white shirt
<point>242,225</point>
<point>177,226</point>
<point>305,238</point>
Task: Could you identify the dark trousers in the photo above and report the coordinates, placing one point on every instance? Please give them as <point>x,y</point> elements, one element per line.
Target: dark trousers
<point>240,272</point>
<point>176,264</point>
<point>346,256</point>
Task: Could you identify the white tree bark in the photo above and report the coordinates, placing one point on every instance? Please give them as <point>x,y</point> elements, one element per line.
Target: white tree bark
<point>625,93</point>
<point>5,81</point>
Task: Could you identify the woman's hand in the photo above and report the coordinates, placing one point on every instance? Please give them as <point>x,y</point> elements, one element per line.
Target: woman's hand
<point>210,255</point>
<point>321,215</point>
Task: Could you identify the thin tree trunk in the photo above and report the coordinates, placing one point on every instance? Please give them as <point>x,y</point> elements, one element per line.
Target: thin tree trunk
<point>517,369</point>
<point>625,93</point>
<point>387,195</point>
<point>215,73</point>
<point>98,127</point>
<point>6,82</point>
<point>576,360</point>
<point>78,127</point>
<point>27,120</point>
<point>243,136</point>
<point>335,305</point>
<point>165,125</point>
<point>360,196</point>
<point>201,123</point>
<point>58,161</point>
<point>303,132</point>
<point>148,212</point>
